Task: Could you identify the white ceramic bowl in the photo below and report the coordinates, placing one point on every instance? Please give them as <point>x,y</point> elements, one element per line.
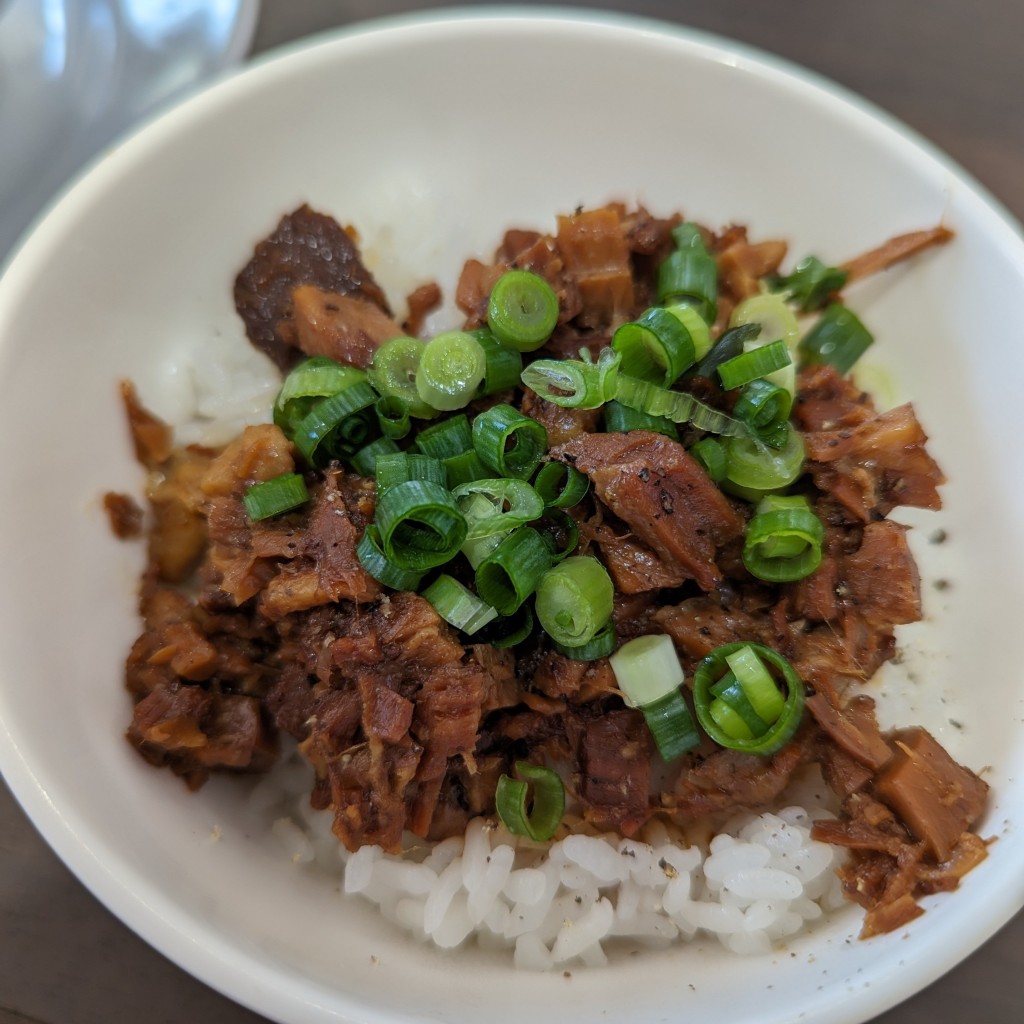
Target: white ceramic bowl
<point>431,137</point>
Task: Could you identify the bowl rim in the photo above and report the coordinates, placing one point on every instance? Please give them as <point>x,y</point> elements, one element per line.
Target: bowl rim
<point>211,957</point>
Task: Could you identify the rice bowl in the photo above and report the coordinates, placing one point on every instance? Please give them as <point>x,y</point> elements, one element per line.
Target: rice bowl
<point>195,859</point>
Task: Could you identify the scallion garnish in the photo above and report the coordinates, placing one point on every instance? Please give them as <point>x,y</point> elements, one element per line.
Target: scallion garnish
<point>575,600</point>
<point>511,443</point>
<point>274,496</point>
<point>393,372</point>
<point>690,274</point>
<point>447,438</point>
<point>398,467</point>
<point>754,466</point>
<point>648,672</point>
<point>420,525</point>
<point>575,383</point>
<point>364,462</point>
<point>561,485</point>
<point>559,531</point>
<point>497,505</point>
<point>783,540</point>
<point>322,435</point>
<point>677,406</point>
<point>511,572</point>
<point>621,419</point>
<point>708,451</point>
<point>458,605</point>
<point>811,284</point>
<point>380,567</point>
<point>602,644</point>
<point>451,370</point>
<point>657,347</point>
<point>312,379</point>
<point>731,343</point>
<point>754,363</point>
<point>838,339</point>
<point>765,407</point>
<point>522,310</point>
<point>503,364</point>
<point>393,416</point>
<point>513,801</point>
<point>759,671</point>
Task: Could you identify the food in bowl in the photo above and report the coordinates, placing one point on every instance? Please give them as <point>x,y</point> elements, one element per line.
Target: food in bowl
<point>468,577</point>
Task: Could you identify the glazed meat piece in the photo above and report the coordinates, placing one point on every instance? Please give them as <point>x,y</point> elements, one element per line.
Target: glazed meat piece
<point>306,248</point>
<point>668,501</point>
<point>345,328</point>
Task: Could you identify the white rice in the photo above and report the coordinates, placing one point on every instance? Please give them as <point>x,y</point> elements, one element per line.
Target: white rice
<point>580,901</point>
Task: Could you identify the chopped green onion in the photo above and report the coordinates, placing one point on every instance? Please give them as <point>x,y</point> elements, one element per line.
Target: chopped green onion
<point>322,435</point>
<point>711,455</point>
<point>677,406</point>
<point>503,364</point>
<point>511,572</point>
<point>575,600</point>
<point>400,467</point>
<point>690,273</point>
<point>731,343</point>
<point>507,503</point>
<point>464,468</point>
<point>838,339</point>
<point>780,727</point>
<point>778,323</point>
<point>364,462</point>
<point>420,525</point>
<point>509,630</point>
<point>765,407</point>
<point>753,364</point>
<point>648,672</point>
<point>575,383</point>
<point>756,682</point>
<point>600,646</point>
<point>784,540</point>
<point>393,416</point>
<point>561,485</point>
<point>522,310</point>
<point>447,438</point>
<point>458,605</point>
<point>312,379</point>
<point>559,531</point>
<point>380,567</point>
<point>512,800</point>
<point>393,372</point>
<point>272,497</point>
<point>621,419</point>
<point>656,347</point>
<point>755,467</point>
<point>729,691</point>
<point>509,442</point>
<point>451,370</point>
<point>811,284</point>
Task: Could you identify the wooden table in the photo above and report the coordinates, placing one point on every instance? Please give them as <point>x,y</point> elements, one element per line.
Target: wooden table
<point>952,70</point>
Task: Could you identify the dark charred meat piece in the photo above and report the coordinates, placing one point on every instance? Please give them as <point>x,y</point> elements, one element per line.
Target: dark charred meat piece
<point>306,247</point>
<point>125,514</point>
<point>880,579</point>
<point>655,486</point>
<point>859,739</point>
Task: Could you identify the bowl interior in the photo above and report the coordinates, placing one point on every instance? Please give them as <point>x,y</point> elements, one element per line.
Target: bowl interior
<point>431,137</point>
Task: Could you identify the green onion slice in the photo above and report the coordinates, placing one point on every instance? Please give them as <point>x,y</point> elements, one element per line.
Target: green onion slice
<point>372,558</point>
<point>690,274</point>
<point>511,572</point>
<point>522,310</point>
<point>648,672</point>
<point>754,466</point>
<point>677,406</point>
<point>561,485</point>
<point>729,691</point>
<point>600,646</point>
<point>838,339</point>
<point>393,416</point>
<point>656,347</point>
<point>784,540</point>
<point>777,322</point>
<point>509,630</point>
<point>464,468</point>
<point>731,343</point>
<point>312,379</point>
<point>711,455</point>
<point>512,800</point>
<point>509,442</point>
<point>393,372</point>
<point>503,364</point>
<point>621,419</point>
<point>420,525</point>
<point>781,726</point>
<point>274,496</point>
<point>458,605</point>
<point>324,434</point>
<point>399,467</point>
<point>754,363</point>
<point>364,462</point>
<point>575,383</point>
<point>447,438</point>
<point>507,502</point>
<point>575,600</point>
<point>451,370</point>
<point>811,284</point>
<point>559,531</point>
